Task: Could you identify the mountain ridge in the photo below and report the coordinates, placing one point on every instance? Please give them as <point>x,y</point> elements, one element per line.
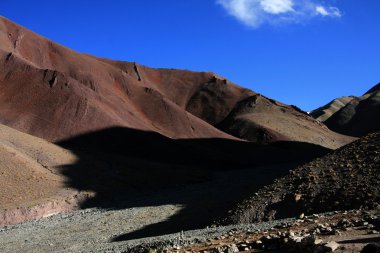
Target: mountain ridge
<point>55,93</point>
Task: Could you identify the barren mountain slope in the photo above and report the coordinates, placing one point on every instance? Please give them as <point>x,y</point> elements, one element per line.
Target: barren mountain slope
<point>263,120</point>
<point>55,93</point>
<point>359,117</point>
<point>355,116</point>
<point>374,89</point>
<point>325,112</point>
<point>348,178</point>
<point>29,176</point>
<point>204,94</point>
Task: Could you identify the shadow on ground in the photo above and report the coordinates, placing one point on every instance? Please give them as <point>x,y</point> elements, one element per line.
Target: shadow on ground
<point>131,168</point>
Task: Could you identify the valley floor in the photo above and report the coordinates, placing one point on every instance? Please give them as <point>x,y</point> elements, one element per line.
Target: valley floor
<point>116,229</point>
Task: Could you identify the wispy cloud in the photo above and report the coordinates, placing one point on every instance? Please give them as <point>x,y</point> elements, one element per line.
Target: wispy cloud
<point>257,12</point>
<point>328,11</point>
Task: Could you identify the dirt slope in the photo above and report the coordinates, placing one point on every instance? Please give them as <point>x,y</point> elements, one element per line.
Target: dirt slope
<point>359,117</point>
<point>326,111</point>
<point>263,120</point>
<point>355,116</point>
<point>55,93</point>
<point>31,184</point>
<point>346,179</point>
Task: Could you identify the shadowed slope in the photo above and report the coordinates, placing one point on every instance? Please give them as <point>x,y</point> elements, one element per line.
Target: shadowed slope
<point>124,166</point>
<point>345,179</point>
<point>375,88</point>
<point>326,111</point>
<point>357,116</point>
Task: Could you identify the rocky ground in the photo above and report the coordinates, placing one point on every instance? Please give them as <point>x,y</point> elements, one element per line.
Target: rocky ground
<point>117,228</point>
<point>348,231</point>
<point>93,230</point>
<point>139,224</point>
<point>347,178</point>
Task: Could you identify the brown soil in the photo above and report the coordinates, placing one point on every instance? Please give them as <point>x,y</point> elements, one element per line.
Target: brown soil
<point>52,92</point>
<point>31,185</point>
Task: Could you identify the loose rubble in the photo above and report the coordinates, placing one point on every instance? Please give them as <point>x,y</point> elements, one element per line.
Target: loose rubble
<point>315,234</point>
<point>345,179</point>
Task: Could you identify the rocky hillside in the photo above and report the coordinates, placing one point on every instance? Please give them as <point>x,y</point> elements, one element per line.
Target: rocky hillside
<point>326,111</point>
<point>347,178</point>
<point>263,120</point>
<point>55,93</point>
<point>355,116</point>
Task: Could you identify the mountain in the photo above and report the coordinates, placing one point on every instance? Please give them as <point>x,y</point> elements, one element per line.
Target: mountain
<point>31,185</point>
<point>55,93</point>
<point>263,120</point>
<point>375,88</point>
<point>345,179</point>
<point>326,111</point>
<point>355,116</point>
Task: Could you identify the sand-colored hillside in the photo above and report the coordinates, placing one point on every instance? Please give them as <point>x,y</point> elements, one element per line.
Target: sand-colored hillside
<point>263,120</point>
<point>29,175</point>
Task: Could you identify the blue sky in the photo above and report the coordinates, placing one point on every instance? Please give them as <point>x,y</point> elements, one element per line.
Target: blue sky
<point>303,52</point>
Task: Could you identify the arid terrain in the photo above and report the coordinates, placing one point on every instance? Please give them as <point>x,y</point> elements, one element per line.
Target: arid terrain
<point>342,180</point>
<point>354,116</point>
<point>98,155</point>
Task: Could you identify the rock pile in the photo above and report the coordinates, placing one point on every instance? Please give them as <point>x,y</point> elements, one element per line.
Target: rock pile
<point>345,179</point>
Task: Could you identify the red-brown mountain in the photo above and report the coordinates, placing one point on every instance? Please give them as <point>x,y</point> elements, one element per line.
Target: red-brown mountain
<point>55,93</point>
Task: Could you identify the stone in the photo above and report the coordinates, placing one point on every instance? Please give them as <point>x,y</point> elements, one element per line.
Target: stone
<point>331,246</point>
<point>297,197</point>
<point>296,239</point>
<point>232,249</point>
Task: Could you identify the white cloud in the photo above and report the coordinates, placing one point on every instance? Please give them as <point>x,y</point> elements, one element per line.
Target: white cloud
<point>277,6</point>
<point>257,12</point>
<point>328,11</point>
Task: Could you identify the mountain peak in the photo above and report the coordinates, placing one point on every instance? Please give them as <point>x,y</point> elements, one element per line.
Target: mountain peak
<point>373,89</point>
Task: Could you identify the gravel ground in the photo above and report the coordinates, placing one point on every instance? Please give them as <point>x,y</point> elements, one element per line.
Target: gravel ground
<point>80,231</point>
<point>120,229</point>
<point>95,230</point>
<point>92,230</point>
